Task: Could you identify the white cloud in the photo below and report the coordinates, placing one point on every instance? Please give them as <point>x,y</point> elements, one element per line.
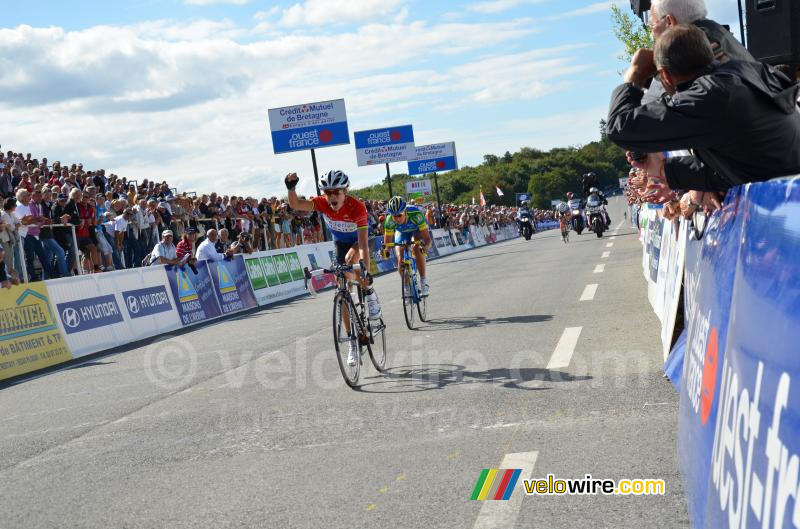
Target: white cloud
<point>215,2</point>
<point>498,6</point>
<point>186,102</point>
<point>591,9</point>
<point>325,12</point>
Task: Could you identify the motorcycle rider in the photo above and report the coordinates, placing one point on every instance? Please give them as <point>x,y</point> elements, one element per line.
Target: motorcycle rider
<point>604,201</point>
<point>524,211</point>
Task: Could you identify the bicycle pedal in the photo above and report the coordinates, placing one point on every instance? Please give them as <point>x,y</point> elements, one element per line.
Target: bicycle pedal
<point>363,340</point>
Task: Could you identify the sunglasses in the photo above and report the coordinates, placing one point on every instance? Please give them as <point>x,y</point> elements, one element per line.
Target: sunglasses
<point>331,192</point>
<point>398,215</point>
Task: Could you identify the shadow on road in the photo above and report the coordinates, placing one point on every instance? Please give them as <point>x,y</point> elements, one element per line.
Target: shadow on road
<point>471,322</point>
<point>405,379</point>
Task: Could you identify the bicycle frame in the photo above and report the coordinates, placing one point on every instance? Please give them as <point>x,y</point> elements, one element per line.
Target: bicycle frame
<point>411,261</point>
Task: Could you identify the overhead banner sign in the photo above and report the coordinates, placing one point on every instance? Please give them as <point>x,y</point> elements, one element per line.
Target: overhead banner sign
<point>419,189</point>
<point>433,158</point>
<point>389,145</point>
<point>309,126</point>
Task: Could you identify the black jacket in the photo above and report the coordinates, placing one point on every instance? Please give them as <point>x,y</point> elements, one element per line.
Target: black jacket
<point>740,118</point>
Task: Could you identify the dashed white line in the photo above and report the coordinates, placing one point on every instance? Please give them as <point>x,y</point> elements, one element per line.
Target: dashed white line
<point>612,237</point>
<point>599,269</point>
<point>589,292</point>
<point>503,514</point>
<point>605,255</point>
<point>610,245</point>
<point>565,348</point>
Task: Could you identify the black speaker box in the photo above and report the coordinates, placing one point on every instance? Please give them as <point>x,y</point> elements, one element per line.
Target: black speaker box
<point>773,31</point>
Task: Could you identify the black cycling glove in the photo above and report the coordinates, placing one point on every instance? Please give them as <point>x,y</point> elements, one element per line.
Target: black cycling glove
<point>290,185</point>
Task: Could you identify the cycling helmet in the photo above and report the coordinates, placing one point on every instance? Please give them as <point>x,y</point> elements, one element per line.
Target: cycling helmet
<point>334,180</point>
<point>525,204</point>
<point>396,205</point>
<point>570,194</point>
<point>562,207</point>
<point>594,190</point>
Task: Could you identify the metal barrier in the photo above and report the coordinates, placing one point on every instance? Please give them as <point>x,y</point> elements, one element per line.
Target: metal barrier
<point>24,265</point>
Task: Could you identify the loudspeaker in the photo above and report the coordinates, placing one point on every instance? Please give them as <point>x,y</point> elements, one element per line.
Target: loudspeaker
<point>773,31</point>
<point>640,6</point>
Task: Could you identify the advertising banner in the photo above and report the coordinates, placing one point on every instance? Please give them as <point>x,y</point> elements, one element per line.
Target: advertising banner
<point>276,275</point>
<point>739,433</point>
<point>417,190</point>
<point>232,285</point>
<point>434,158</point>
<point>30,338</point>
<point>309,126</point>
<point>193,293</point>
<point>379,146</point>
<point>521,197</point>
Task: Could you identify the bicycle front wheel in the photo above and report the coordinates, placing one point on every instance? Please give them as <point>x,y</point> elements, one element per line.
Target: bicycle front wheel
<point>422,304</point>
<point>377,353</point>
<point>345,330</point>
<point>408,299</point>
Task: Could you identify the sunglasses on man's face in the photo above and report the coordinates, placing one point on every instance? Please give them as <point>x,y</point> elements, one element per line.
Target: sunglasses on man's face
<point>332,192</point>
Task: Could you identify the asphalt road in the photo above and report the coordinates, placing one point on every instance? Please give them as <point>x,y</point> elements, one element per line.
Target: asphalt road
<point>247,422</point>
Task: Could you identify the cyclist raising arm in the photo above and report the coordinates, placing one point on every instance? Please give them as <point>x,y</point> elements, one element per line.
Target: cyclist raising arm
<point>403,223</point>
<point>346,217</point>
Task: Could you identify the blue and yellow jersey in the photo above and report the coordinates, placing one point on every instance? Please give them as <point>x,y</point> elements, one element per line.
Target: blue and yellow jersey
<point>415,222</point>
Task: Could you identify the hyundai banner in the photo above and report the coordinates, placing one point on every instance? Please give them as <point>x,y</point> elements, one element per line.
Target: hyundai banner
<point>309,126</point>
<point>379,146</point>
<point>434,158</point>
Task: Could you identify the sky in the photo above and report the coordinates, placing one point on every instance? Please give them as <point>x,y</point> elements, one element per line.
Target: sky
<point>178,90</point>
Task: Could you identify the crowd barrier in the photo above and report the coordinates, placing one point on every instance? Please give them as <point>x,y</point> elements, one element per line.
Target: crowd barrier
<point>51,322</point>
<point>739,430</point>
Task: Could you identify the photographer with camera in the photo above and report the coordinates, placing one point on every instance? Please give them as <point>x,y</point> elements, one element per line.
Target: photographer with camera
<point>739,118</point>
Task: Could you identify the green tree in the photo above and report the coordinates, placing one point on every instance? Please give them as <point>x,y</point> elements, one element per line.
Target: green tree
<point>632,32</point>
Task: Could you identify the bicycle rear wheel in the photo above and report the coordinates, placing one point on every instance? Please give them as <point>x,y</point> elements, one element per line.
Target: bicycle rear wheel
<point>342,334</point>
<point>377,352</point>
<point>408,299</point>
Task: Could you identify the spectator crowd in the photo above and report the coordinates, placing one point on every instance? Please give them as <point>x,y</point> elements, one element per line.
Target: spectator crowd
<point>120,223</point>
<point>699,115</point>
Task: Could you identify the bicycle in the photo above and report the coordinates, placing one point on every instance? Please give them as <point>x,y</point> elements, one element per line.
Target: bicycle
<point>410,289</point>
<point>361,328</point>
<point>565,232</point>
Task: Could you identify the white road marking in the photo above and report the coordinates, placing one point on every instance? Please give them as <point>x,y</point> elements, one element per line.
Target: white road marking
<point>612,238</point>
<point>565,348</point>
<point>589,292</point>
<point>610,245</point>
<point>503,514</point>
<point>599,269</point>
<point>605,255</point>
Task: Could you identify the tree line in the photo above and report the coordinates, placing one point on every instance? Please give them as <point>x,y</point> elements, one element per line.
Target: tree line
<point>547,175</point>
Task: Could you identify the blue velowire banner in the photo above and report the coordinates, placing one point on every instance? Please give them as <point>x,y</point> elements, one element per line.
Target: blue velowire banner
<point>433,158</point>
<point>739,428</point>
<point>232,285</point>
<point>392,144</point>
<point>193,292</point>
<point>309,126</point>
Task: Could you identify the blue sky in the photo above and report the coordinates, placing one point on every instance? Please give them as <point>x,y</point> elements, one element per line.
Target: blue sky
<point>179,89</point>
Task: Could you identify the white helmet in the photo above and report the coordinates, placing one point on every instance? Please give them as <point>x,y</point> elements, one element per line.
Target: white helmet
<point>594,190</point>
<point>334,180</point>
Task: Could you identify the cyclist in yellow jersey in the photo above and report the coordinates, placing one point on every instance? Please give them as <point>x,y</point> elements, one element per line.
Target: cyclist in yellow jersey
<point>406,223</point>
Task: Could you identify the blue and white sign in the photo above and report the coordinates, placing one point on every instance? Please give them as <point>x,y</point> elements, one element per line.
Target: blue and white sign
<point>309,126</point>
<point>379,146</point>
<point>433,158</point>
<point>91,313</point>
<point>524,196</point>
<point>147,301</point>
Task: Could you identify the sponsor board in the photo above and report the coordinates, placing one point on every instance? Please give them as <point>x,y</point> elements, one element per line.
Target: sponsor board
<point>309,126</point>
<point>419,189</point>
<point>144,302</point>
<point>89,313</point>
<point>30,338</point>
<point>194,294</point>
<point>379,146</point>
<point>434,158</point>
<point>232,285</point>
